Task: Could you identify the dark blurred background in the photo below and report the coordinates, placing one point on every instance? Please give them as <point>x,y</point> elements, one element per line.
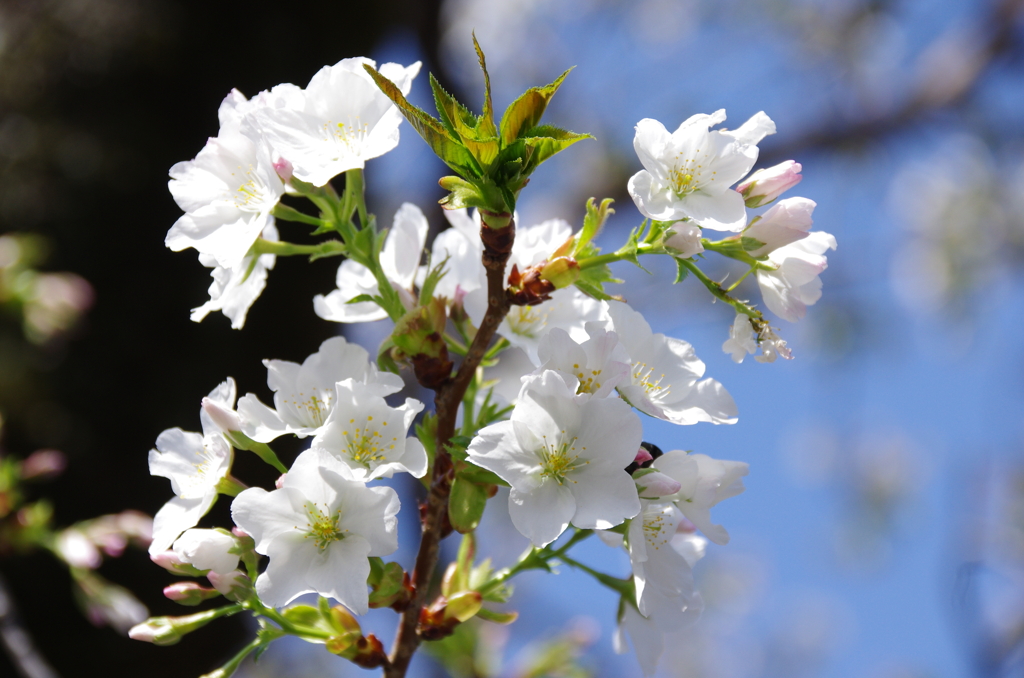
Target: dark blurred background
<point>883,531</point>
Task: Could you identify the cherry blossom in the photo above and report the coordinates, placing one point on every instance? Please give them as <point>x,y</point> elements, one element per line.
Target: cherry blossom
<point>794,283</point>
<point>563,455</point>
<point>318,530</point>
<point>688,174</point>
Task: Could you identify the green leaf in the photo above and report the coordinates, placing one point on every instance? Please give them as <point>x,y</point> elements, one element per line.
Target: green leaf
<point>681,271</point>
<point>486,126</point>
<point>481,476</point>
<point>430,282</point>
<point>546,145</point>
<point>592,290</point>
<point>433,132</point>
<point>360,298</point>
<point>447,106</point>
<point>525,112</point>
<point>497,617</point>
<point>592,223</point>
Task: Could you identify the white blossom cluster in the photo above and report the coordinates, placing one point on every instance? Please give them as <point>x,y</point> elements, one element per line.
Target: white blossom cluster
<point>229,191</point>
<point>322,522</point>
<point>578,369</point>
<point>689,177</point>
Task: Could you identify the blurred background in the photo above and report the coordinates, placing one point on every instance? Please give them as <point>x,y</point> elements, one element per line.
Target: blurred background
<point>882,531</point>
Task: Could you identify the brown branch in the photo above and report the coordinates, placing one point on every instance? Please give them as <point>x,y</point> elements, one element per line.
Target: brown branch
<point>497,248</point>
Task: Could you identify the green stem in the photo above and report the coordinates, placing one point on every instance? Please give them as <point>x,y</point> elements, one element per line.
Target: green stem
<point>741,279</point>
<point>533,559</point>
<point>287,213</point>
<point>717,291</point>
<point>455,346</point>
<point>498,347</point>
<point>329,248</point>
<point>621,586</point>
<point>355,190</point>
<point>287,626</point>
<point>243,442</point>
<point>232,665</point>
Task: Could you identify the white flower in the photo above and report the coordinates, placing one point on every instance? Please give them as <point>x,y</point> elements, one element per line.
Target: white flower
<point>687,174</point>
<point>369,437</point>
<point>234,290</point>
<point>741,339</point>
<point>563,455</point>
<point>704,482</point>
<point>772,346</point>
<point>784,223</point>
<point>227,194</point>
<point>663,578</point>
<point>794,284</point>
<point>461,246</point>
<point>214,550</point>
<point>318,530</point>
<point>765,185</point>
<point>344,121</point>
<point>304,395</point>
<point>685,238</point>
<point>666,614</point>
<point>664,374</point>
<point>400,261</point>
<point>194,464</point>
<point>597,363</point>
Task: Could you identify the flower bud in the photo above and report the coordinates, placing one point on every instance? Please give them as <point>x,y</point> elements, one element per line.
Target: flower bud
<point>234,585</point>
<point>654,485</point>
<point>685,238</point>
<point>765,185</point>
<point>189,593</point>
<point>43,464</point>
<point>284,169</point>
<point>225,419</point>
<point>561,272</point>
<point>785,223</point>
<point>172,562</point>
<point>170,630</point>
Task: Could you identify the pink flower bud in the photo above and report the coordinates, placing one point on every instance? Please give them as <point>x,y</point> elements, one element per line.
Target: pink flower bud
<point>279,483</point>
<point>233,585</point>
<point>642,457</point>
<point>43,464</point>
<point>189,593</point>
<point>657,484</point>
<point>765,185</point>
<point>284,169</point>
<point>225,419</point>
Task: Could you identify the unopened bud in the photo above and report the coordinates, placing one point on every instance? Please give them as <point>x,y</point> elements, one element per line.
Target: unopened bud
<point>189,593</point>
<point>172,562</point>
<point>653,485</point>
<point>684,238</point>
<point>169,630</point>
<point>233,585</point>
<point>43,464</point>
<point>765,185</point>
<point>561,272</point>
<point>225,419</point>
<point>284,169</point>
